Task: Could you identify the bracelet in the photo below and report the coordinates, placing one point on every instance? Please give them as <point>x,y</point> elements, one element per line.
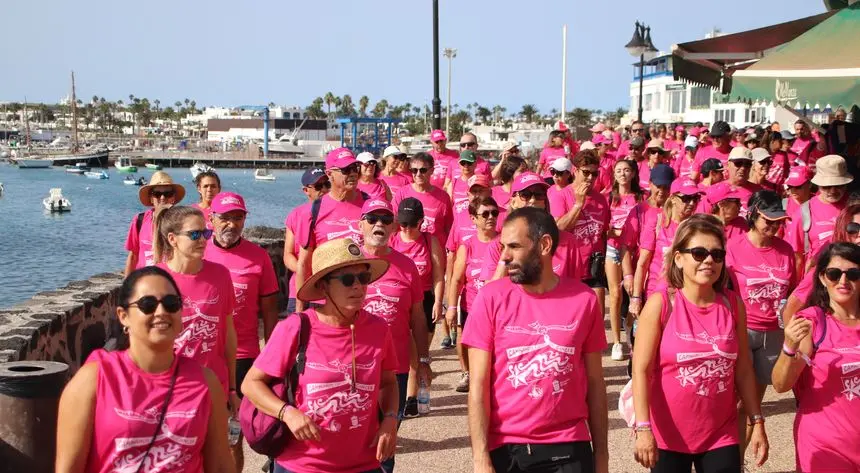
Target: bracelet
<point>638,298</point>
<point>643,424</point>
<point>756,419</point>
<point>282,411</point>
<point>628,276</point>
<point>788,351</point>
<point>642,428</point>
<point>393,415</point>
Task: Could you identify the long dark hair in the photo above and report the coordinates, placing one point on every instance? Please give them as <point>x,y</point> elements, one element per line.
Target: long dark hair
<point>819,297</point>
<point>615,194</point>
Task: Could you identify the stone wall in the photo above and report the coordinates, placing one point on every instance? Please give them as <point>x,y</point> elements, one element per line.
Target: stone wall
<point>68,323</point>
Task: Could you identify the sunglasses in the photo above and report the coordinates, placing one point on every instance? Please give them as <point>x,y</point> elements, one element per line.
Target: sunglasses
<point>420,170</point>
<point>766,162</point>
<point>701,254</point>
<point>369,163</point>
<point>688,199</point>
<point>467,163</point>
<point>637,130</point>
<point>489,213</point>
<point>466,145</point>
<point>385,219</point>
<point>835,274</point>
<point>322,185</point>
<point>555,172</point>
<point>351,169</point>
<point>742,163</point>
<point>166,194</point>
<point>148,304</point>
<point>853,228</point>
<point>348,279</point>
<point>195,235</point>
<point>528,195</point>
<point>586,173</point>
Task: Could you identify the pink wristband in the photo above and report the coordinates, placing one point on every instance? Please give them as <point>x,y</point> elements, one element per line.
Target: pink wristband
<point>643,424</point>
<point>788,351</point>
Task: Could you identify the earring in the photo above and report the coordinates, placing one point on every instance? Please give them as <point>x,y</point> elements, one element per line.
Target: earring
<point>125,329</point>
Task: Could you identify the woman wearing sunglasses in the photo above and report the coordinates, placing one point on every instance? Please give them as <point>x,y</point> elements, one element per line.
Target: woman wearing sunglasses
<point>467,273</point>
<point>368,178</point>
<point>114,412</point>
<point>394,173</point>
<point>654,154</point>
<point>208,335</point>
<point>437,204</point>
<point>798,188</point>
<point>780,166</point>
<point>349,373</point>
<point>691,358</point>
<point>208,186</point>
<point>819,362</point>
<point>160,193</point>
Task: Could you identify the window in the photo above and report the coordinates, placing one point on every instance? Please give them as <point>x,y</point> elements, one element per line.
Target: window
<point>677,101</point>
<point>658,105</point>
<point>700,97</point>
<point>727,116</point>
<point>646,102</point>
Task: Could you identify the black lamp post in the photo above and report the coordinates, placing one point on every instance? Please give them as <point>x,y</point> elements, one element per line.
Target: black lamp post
<point>641,46</point>
<point>437,102</point>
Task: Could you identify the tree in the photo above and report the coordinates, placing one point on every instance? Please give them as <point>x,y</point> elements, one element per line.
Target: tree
<point>483,113</point>
<point>346,108</point>
<point>315,111</point>
<point>329,100</point>
<point>380,109</point>
<point>363,102</point>
<point>194,107</point>
<point>157,107</point>
<point>580,117</point>
<point>528,112</point>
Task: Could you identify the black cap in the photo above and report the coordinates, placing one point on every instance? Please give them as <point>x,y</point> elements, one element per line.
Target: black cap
<point>312,176</point>
<point>710,165</point>
<point>662,175</point>
<point>410,211</point>
<point>720,128</point>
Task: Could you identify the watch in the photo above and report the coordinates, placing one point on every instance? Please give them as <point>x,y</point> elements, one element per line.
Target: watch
<point>425,359</point>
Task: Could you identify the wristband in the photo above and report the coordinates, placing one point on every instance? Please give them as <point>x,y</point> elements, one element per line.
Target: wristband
<point>643,424</point>
<point>788,351</point>
<point>393,415</point>
<point>281,412</point>
<point>425,360</point>
<point>628,276</point>
<point>638,298</point>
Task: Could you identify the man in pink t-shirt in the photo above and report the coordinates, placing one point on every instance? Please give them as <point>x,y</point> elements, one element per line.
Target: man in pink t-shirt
<point>637,128</point>
<point>443,158</point>
<point>160,193</point>
<point>468,142</point>
<point>438,213</point>
<point>721,135</point>
<point>254,284</point>
<point>739,166</point>
<point>535,343</point>
<point>805,146</point>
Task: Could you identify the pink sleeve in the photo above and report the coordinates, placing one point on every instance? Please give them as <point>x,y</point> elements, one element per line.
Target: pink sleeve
<point>557,202</point>
<point>630,230</point>
<point>794,233</point>
<point>596,339</point>
<point>269,280</point>
<point>389,355</point>
<point>396,198</point>
<point>648,232</point>
<point>573,269</point>
<point>453,236</point>
<point>491,261</point>
<point>478,332</point>
<point>804,289</point>
<point>483,168</point>
<point>277,356</point>
<point>131,242</point>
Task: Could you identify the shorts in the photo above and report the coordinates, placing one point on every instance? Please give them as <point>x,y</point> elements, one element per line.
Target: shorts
<point>613,254</point>
<point>243,365</point>
<point>719,460</point>
<point>563,457</point>
<point>429,301</point>
<point>765,348</point>
<point>461,317</point>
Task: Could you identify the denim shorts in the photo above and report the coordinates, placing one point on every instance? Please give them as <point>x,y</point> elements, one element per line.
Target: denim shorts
<point>613,254</point>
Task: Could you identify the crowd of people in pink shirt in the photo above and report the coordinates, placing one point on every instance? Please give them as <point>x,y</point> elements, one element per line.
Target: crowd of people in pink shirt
<point>726,260</point>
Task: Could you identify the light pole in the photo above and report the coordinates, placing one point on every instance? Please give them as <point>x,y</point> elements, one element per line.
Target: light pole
<point>437,103</point>
<point>449,53</point>
<point>641,46</point>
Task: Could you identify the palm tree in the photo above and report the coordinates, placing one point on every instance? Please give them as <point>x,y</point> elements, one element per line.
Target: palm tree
<point>380,109</point>
<point>187,102</point>
<point>346,108</point>
<point>193,106</point>
<point>528,112</point>
<point>580,117</point>
<point>363,102</point>
<point>329,100</point>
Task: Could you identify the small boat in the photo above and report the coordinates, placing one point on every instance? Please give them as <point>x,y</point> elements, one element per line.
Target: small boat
<point>263,175</point>
<point>2,189</point>
<point>154,167</point>
<point>33,163</point>
<point>76,170</point>
<point>131,181</point>
<point>197,168</point>
<point>123,164</point>
<point>56,203</point>
<point>97,174</point>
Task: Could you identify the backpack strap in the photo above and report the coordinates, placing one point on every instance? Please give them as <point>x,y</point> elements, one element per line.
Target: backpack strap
<point>315,212</point>
<point>806,220</point>
<point>299,366</point>
<point>820,328</point>
<point>139,220</point>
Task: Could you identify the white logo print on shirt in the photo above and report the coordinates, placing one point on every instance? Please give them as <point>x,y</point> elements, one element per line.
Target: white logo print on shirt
<point>587,229</point>
<point>200,332</point>
<point>342,402</point>
<point>552,361</point>
<point>163,456</point>
<point>350,232</point>
<point>381,305</point>
<point>851,382</point>
<point>767,290</point>
<point>709,372</point>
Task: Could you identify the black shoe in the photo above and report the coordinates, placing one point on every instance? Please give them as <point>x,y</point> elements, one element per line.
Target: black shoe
<point>411,409</point>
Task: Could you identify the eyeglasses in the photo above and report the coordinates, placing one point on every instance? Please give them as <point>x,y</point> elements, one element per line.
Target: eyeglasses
<point>466,145</point>
<point>165,194</point>
<point>765,163</point>
<point>853,228</point>
<point>195,235</point>
<point>489,213</point>
<point>148,304</point>
<point>654,151</point>
<point>688,199</point>
<point>348,279</point>
<point>408,224</point>
<point>230,218</point>
<point>556,172</point>
<point>322,185</point>
<point>420,170</point>
<point>587,173</point>
<point>835,274</point>
<point>351,169</point>
<point>741,163</point>
<point>528,195</point>
<point>385,219</point>
<point>701,254</point>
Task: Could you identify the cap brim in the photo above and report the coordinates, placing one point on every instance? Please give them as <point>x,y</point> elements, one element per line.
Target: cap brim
<point>823,181</point>
<point>389,212</point>
<point>310,292</point>
<point>774,214</point>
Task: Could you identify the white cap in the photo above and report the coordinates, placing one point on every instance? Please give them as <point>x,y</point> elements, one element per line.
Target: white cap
<point>760,154</point>
<point>691,142</point>
<point>586,145</point>
<point>365,157</point>
<point>391,151</point>
<point>561,164</point>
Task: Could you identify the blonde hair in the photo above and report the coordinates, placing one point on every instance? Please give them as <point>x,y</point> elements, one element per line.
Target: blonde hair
<point>695,225</point>
<point>165,222</point>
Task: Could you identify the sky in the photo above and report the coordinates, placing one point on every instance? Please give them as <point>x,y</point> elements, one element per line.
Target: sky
<point>229,53</point>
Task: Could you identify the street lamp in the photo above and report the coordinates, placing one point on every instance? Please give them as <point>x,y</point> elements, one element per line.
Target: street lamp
<point>641,46</point>
<point>449,53</point>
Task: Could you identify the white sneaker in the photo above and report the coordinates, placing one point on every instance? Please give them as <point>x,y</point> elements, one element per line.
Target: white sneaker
<point>463,385</point>
<point>618,352</point>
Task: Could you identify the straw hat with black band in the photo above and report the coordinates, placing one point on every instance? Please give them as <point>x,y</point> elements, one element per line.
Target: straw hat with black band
<point>160,179</point>
<point>331,256</point>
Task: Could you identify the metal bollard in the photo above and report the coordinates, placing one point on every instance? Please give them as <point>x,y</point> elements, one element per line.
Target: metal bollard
<point>29,397</point>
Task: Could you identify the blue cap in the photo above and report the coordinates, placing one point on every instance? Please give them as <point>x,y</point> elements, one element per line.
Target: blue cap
<point>312,176</point>
<point>662,175</point>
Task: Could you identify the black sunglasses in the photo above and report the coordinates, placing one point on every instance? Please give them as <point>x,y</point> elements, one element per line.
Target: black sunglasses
<point>195,235</point>
<point>322,185</point>
<point>400,157</point>
<point>835,274</point>
<point>351,169</point>
<point>587,173</point>
<point>701,254</point>
<point>160,194</point>
<point>853,228</point>
<point>420,170</point>
<point>489,213</point>
<point>688,198</point>
<point>348,279</point>
<point>742,163</point>
<point>527,195</point>
<point>148,304</point>
<point>765,162</point>
<point>556,172</point>
<point>635,130</point>
<point>466,145</point>
<point>385,219</point>
<point>369,163</point>
<point>467,163</point>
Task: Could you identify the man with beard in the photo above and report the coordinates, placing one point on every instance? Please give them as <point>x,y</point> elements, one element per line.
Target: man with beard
<point>535,342</point>
<point>254,284</point>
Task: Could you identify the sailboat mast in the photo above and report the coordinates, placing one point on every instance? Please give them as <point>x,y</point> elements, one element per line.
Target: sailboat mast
<point>26,122</point>
<point>75,146</point>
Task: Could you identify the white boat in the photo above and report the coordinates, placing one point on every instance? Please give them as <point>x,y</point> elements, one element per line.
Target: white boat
<point>33,163</point>
<point>2,189</point>
<point>56,202</point>
<point>97,174</point>
<point>285,144</point>
<point>197,168</point>
<point>264,175</point>
<point>131,181</point>
<point>76,170</point>
<point>123,164</point>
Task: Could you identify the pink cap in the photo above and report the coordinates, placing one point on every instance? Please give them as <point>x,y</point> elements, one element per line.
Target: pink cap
<point>694,132</point>
<point>373,205</point>
<point>479,180</point>
<point>722,192</point>
<point>598,128</point>
<point>704,129</point>
<point>560,126</point>
<point>799,176</point>
<point>600,140</point>
<point>438,135</point>
<point>680,128</point>
<point>228,201</point>
<point>685,187</point>
<point>339,158</point>
<point>526,180</point>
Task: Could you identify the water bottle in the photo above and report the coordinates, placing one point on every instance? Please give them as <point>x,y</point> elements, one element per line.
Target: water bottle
<point>779,311</point>
<point>234,429</point>
<point>423,399</point>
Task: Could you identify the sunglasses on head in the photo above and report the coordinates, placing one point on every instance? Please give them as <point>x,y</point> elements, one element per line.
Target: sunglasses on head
<point>701,254</point>
<point>351,169</point>
<point>322,185</point>
<point>148,304</point>
<point>528,195</point>
<point>489,213</point>
<point>687,199</point>
<point>195,235</point>
<point>420,170</point>
<point>556,172</point>
<point>835,274</point>
<point>348,279</point>
<point>466,145</point>
<point>586,173</point>
<point>166,194</point>
<point>742,163</point>
<point>373,218</point>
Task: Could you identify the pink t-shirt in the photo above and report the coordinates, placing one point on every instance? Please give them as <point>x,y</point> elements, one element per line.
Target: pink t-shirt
<point>658,240</point>
<point>420,252</point>
<point>590,230</point>
<point>694,377</point>
<point>606,168</point>
<point>208,301</point>
<point>827,422</point>
<point>537,344</point>
<point>560,200</point>
<point>623,148</point>
<point>744,190</point>
<point>391,298</point>
<point>347,417</point>
<point>803,148</point>
<point>396,181</point>
<point>644,175</point>
<point>441,163</point>
<point>503,199</point>
<point>565,261</point>
<point>375,190</point>
<point>736,228</point>
<point>547,156</point>
<point>804,287</point>
<point>630,234</point>
<point>206,213</point>
<point>684,167</point>
<point>823,218</point>
<point>140,241</point>
<point>476,250</point>
<point>128,405</point>
<point>463,229</point>
<point>460,191</point>
<point>618,214</point>
<point>706,152</point>
<point>437,209</point>
<point>763,277</point>
<point>299,216</point>
<point>779,170</point>
<point>253,278</point>
<point>336,219</point>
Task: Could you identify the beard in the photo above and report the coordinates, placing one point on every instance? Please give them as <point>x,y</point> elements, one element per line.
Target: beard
<point>229,237</point>
<point>529,271</point>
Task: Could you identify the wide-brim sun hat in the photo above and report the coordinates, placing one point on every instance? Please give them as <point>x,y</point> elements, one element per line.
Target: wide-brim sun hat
<point>159,179</point>
<point>831,170</point>
<point>331,256</point>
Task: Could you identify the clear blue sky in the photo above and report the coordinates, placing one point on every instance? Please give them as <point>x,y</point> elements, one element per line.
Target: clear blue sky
<point>222,52</point>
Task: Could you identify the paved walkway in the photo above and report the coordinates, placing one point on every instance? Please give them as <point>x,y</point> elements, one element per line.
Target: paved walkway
<point>439,442</point>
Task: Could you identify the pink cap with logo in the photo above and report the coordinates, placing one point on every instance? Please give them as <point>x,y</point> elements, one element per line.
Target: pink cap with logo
<point>339,158</point>
<point>438,135</point>
<point>799,176</point>
<point>685,187</point>
<point>721,193</point>
<point>373,205</point>
<point>680,128</point>
<point>226,202</point>
<point>526,180</point>
<point>598,128</point>
<point>694,132</point>
<point>478,180</point>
